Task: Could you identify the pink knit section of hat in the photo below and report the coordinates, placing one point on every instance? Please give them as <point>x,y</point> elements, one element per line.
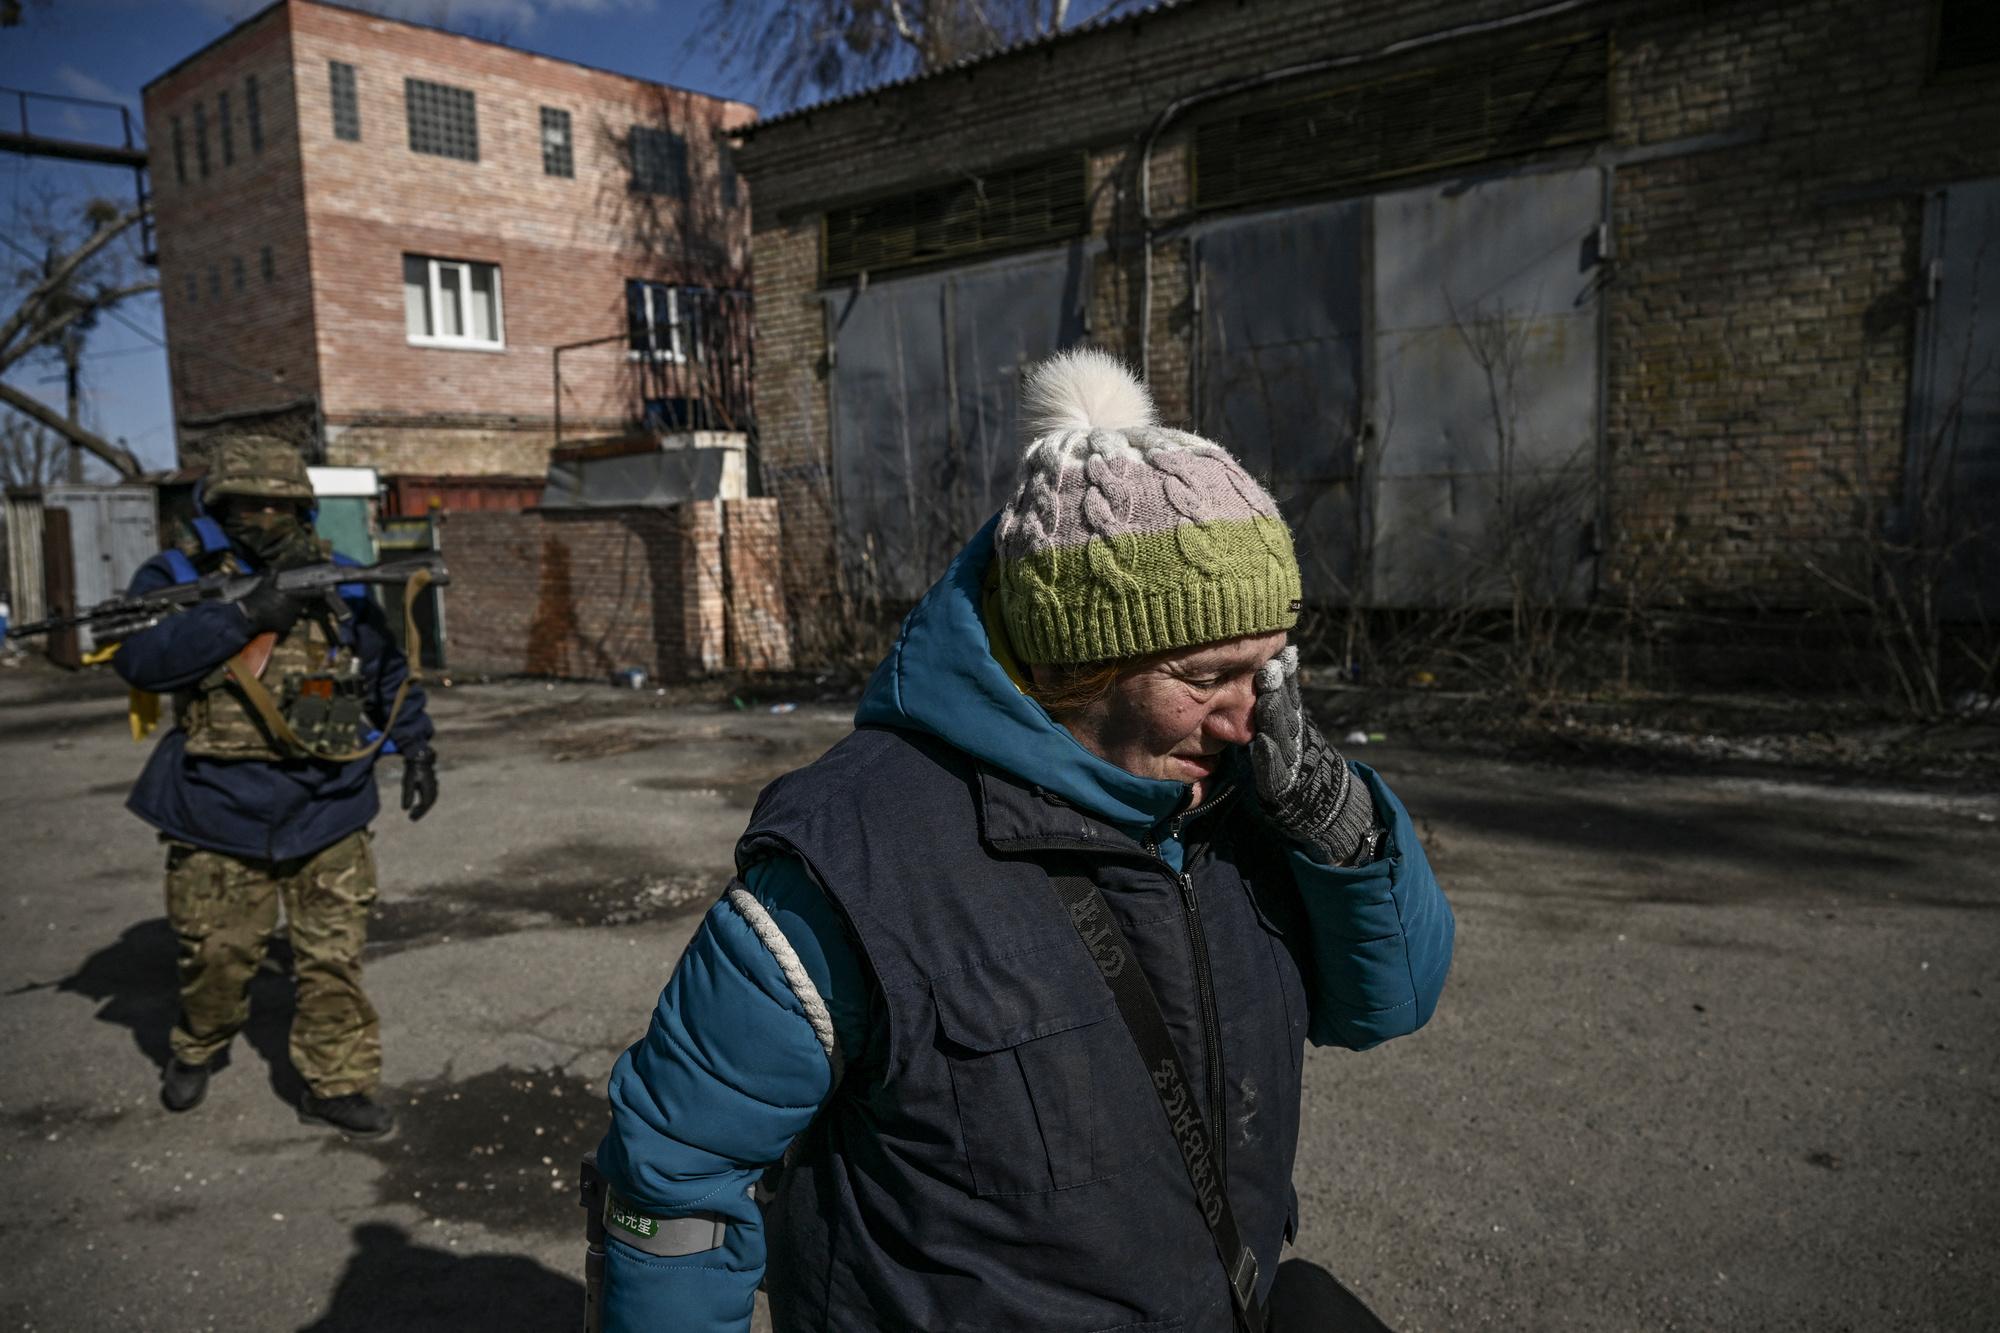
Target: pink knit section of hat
<point>1166,478</point>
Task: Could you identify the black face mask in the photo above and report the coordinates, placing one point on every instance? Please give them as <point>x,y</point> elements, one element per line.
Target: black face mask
<point>274,540</point>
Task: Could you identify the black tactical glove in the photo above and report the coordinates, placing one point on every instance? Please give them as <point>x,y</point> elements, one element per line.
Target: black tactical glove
<point>1306,788</point>
<point>270,609</point>
<point>420,782</point>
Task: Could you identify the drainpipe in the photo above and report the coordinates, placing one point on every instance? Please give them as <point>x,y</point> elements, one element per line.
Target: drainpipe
<point>1179,105</point>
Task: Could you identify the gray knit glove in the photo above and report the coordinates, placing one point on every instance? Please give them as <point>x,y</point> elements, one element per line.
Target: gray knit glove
<point>1305,786</point>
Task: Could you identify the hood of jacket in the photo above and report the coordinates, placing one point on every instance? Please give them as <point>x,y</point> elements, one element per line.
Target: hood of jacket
<point>943,677</point>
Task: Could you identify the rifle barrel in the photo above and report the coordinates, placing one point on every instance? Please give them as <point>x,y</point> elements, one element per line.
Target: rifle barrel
<point>120,616</point>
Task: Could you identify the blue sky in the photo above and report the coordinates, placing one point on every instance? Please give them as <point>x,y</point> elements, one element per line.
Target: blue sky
<point>109,49</point>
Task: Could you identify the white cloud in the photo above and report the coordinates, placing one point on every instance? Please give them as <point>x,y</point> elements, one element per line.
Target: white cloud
<point>79,84</point>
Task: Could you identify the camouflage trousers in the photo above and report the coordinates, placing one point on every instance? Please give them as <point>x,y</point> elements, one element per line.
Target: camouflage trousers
<point>224,908</point>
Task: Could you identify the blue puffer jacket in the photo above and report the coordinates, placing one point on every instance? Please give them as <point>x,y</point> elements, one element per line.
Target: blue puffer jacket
<point>731,1070</point>
<point>246,807</point>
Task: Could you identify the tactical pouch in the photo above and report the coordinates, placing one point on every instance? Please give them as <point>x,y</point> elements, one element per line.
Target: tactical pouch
<point>324,709</point>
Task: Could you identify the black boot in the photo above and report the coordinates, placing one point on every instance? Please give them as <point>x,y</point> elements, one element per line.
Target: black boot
<point>355,1114</point>
<point>183,1086</point>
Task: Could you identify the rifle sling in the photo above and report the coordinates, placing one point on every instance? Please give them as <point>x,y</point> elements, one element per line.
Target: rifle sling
<point>241,670</point>
<point>1140,1010</point>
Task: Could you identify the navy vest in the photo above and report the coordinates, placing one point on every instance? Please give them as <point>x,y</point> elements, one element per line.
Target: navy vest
<point>1005,1163</point>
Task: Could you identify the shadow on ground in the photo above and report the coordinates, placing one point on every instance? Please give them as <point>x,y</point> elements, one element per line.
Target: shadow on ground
<point>392,1285</point>
<point>577,883</point>
<point>133,979</point>
<point>499,1150</point>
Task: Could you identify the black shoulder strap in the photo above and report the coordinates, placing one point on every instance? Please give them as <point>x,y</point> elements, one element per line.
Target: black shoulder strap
<point>1140,1009</point>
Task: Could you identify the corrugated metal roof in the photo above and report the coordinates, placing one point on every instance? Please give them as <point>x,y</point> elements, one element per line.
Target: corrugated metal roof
<point>1029,44</point>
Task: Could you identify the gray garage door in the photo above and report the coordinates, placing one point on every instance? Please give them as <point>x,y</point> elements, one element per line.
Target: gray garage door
<point>925,385</point>
<point>1417,375</point>
<point>1953,474</point>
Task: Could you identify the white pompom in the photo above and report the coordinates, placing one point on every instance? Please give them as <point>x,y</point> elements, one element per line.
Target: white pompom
<point>1082,390</point>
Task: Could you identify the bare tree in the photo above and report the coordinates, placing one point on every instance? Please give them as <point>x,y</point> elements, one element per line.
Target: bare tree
<point>30,454</point>
<point>823,48</point>
<point>62,294</point>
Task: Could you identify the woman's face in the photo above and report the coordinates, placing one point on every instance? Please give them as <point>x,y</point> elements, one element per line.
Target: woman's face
<point>1173,717</point>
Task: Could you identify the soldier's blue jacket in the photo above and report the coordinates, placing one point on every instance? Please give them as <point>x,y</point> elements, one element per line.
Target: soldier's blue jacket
<point>989,1152</point>
<point>246,807</point>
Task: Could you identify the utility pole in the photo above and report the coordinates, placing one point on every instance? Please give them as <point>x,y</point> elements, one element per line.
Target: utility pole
<point>72,348</point>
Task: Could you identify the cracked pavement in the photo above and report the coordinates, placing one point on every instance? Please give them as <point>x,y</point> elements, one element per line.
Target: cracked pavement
<point>1717,1052</point>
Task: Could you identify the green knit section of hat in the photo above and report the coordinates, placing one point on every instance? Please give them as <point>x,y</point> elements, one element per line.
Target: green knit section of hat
<point>1148,592</point>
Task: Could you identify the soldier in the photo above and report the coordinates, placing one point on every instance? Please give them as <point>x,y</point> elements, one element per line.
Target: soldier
<point>264,789</point>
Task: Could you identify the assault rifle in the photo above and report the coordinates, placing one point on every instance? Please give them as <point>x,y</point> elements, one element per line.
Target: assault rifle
<point>121,617</point>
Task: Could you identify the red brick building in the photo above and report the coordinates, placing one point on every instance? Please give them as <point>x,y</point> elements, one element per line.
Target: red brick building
<point>382,233</point>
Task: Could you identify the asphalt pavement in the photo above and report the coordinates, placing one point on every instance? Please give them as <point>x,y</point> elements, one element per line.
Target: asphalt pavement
<point>1718,1052</point>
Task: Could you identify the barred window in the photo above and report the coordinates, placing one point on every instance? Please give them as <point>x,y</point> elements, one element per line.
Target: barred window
<point>180,155</point>
<point>253,113</point>
<point>266,265</point>
<point>236,271</point>
<point>659,161</point>
<point>224,128</point>
<point>558,159</point>
<point>659,319</point>
<point>201,139</point>
<point>1968,35</point>
<point>346,102</point>
<point>444,121</point>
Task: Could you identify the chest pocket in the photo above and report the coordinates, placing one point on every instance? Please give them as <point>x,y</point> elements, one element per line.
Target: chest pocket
<point>1050,1091</point>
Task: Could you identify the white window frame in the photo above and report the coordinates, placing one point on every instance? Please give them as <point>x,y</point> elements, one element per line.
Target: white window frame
<point>461,342</point>
<point>675,352</point>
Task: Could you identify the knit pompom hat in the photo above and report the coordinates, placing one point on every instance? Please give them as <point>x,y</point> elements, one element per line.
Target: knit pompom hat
<point>1125,538</point>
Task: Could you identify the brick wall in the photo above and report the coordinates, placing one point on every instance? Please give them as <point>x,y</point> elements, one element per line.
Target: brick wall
<point>239,334</point>
<point>584,594</point>
<point>564,246</point>
<point>793,458</point>
<point>1759,311</point>
<point>1762,323</point>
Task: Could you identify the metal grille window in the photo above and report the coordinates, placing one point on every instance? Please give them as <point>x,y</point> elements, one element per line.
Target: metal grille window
<point>660,320</point>
<point>253,113</point>
<point>266,265</point>
<point>451,303</point>
<point>1505,104</point>
<point>1968,35</point>
<point>1032,204</point>
<point>201,139</point>
<point>444,121</point>
<point>659,161</point>
<point>558,158</point>
<point>224,128</point>
<point>346,101</point>
<point>180,155</point>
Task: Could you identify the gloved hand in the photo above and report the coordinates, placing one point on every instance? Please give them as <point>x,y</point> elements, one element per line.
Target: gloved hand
<point>1304,785</point>
<point>270,609</point>
<point>420,782</point>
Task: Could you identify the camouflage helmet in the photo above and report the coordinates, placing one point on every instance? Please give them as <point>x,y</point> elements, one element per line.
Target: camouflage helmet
<point>260,465</point>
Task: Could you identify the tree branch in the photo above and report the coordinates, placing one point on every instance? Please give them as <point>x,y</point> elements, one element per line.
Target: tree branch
<point>43,335</point>
<point>117,456</point>
<point>65,268</point>
<point>903,29</point>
